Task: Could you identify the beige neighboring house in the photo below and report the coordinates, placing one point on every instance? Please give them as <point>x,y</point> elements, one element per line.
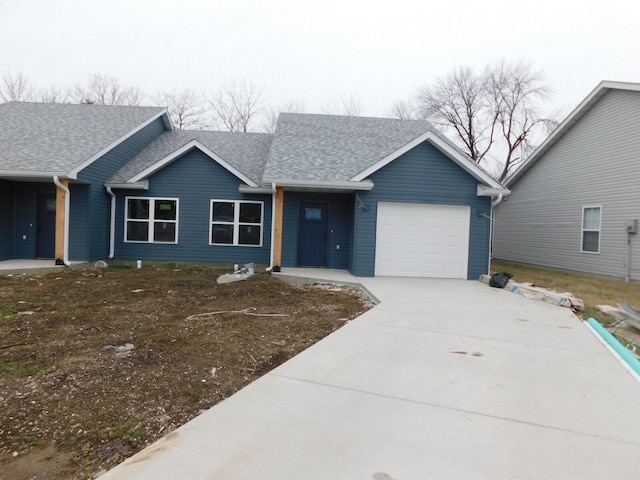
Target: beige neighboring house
<point>575,202</point>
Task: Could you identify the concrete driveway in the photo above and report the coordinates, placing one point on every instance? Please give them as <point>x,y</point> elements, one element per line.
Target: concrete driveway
<point>445,379</point>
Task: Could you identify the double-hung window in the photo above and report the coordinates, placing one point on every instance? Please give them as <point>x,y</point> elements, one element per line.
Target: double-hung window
<point>151,220</point>
<point>235,222</point>
<point>591,220</point>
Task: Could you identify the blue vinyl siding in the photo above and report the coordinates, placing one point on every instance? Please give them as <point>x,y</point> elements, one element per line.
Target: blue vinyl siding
<point>194,179</point>
<point>422,175</point>
<point>340,220</point>
<point>79,247</point>
<point>90,230</point>
<point>6,219</point>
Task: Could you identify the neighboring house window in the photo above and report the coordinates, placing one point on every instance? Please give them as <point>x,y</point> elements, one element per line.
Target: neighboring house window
<point>591,229</point>
<point>151,220</point>
<point>236,223</point>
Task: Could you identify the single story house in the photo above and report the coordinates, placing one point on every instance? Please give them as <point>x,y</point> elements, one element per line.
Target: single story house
<point>372,195</point>
<point>575,201</point>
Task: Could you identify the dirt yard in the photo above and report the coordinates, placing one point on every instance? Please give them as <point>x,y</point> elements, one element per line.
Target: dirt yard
<point>96,364</point>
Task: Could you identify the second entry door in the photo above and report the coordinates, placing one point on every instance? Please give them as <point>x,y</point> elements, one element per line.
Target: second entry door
<point>312,239</point>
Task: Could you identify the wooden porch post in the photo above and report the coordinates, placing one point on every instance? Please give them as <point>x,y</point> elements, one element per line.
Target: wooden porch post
<point>60,199</point>
<point>277,228</point>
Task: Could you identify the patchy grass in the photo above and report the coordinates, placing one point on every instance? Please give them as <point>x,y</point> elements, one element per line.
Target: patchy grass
<point>7,311</point>
<point>592,289</point>
<point>19,369</point>
<point>71,407</point>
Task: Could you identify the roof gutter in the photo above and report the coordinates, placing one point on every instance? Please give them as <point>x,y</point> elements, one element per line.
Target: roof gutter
<point>486,191</point>
<point>144,185</point>
<point>67,204</point>
<point>257,190</point>
<point>348,185</point>
<point>29,175</point>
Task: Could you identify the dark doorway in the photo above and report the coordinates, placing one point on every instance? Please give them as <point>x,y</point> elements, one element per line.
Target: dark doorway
<point>46,225</point>
<point>312,241</point>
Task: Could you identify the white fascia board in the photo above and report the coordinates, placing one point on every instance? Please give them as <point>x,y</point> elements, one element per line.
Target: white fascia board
<point>577,113</point>
<point>465,163</point>
<point>74,173</point>
<point>485,191</point>
<point>262,189</point>
<point>184,149</point>
<point>31,174</point>
<point>348,185</point>
<point>144,185</point>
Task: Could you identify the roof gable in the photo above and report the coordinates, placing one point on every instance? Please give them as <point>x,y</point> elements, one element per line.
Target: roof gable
<point>41,139</point>
<point>451,151</point>
<point>328,148</point>
<point>242,154</point>
<point>311,147</point>
<point>587,104</point>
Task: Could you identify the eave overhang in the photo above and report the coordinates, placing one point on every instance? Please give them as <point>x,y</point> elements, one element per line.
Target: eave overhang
<point>322,186</point>
<point>144,185</point>
<point>487,191</point>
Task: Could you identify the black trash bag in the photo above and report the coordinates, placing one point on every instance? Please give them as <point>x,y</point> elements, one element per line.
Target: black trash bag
<point>500,280</point>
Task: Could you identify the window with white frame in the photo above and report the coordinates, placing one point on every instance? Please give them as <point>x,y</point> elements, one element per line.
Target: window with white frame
<point>591,217</point>
<point>151,220</point>
<point>235,222</point>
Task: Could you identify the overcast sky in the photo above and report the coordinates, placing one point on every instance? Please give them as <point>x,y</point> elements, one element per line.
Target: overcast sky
<point>315,51</point>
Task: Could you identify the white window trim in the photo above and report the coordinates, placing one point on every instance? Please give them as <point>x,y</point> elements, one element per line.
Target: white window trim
<point>599,230</point>
<point>151,220</point>
<point>236,222</point>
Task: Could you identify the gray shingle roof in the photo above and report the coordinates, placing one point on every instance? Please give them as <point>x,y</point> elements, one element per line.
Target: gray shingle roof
<point>40,137</point>
<point>247,152</point>
<point>335,148</point>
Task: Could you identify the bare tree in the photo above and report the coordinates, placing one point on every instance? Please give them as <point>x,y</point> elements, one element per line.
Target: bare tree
<point>404,110</point>
<point>185,108</point>
<point>235,105</point>
<point>106,90</point>
<point>493,114</point>
<point>271,115</point>
<point>53,94</point>
<point>515,91</point>
<point>16,88</point>
<point>349,105</point>
<point>458,102</point>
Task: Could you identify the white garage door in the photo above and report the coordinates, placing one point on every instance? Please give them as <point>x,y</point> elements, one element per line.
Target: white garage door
<point>418,240</point>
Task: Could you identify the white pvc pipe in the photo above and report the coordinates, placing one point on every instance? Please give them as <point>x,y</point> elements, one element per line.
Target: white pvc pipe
<point>67,208</point>
<point>112,227</point>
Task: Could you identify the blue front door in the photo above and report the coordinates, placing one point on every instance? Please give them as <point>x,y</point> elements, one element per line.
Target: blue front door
<point>46,225</point>
<point>312,241</point>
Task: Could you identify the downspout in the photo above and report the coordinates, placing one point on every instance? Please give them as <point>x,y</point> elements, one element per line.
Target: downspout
<point>112,227</point>
<point>67,208</point>
<point>273,225</point>
<point>495,201</point>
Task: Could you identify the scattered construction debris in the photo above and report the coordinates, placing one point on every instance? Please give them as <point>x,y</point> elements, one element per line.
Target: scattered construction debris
<point>624,313</point>
<point>246,311</point>
<point>528,290</point>
<point>238,274</point>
